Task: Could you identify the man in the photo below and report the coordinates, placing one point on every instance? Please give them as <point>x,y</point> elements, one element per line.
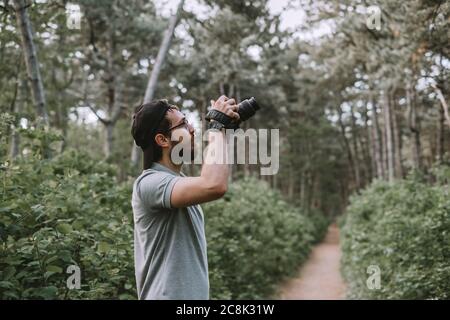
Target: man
<point>169,235</point>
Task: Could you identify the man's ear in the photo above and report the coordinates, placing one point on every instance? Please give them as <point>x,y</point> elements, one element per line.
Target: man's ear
<point>161,140</point>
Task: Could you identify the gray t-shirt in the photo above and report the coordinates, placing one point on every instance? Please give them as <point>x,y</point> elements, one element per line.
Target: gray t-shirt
<point>169,243</point>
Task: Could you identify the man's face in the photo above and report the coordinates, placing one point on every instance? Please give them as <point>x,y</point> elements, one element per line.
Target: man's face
<point>181,129</point>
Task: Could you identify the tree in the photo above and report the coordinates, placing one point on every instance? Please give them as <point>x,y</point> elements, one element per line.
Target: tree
<point>31,59</point>
<point>136,153</point>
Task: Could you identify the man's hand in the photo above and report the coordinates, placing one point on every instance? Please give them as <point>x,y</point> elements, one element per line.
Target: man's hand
<point>227,106</point>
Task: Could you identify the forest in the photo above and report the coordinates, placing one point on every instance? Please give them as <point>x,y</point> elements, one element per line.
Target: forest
<point>359,91</point>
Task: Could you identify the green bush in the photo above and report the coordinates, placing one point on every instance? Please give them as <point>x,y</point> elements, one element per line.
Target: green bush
<point>404,229</point>
<point>66,211</point>
<point>255,239</point>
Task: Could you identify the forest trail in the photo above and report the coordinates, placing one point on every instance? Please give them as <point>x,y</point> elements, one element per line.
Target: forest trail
<point>319,277</point>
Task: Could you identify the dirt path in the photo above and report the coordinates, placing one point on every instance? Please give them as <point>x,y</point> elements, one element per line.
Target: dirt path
<point>319,278</point>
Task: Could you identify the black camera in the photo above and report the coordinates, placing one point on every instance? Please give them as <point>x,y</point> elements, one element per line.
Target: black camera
<point>246,109</point>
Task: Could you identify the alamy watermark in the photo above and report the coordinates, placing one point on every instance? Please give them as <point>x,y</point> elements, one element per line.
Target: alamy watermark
<point>233,152</point>
<point>74,280</point>
<point>374,280</point>
<point>373,19</point>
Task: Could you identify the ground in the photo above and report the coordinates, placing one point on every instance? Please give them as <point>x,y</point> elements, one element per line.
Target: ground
<point>319,277</point>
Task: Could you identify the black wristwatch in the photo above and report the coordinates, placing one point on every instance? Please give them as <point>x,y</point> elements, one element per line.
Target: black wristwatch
<point>222,118</point>
<point>219,116</point>
<point>213,124</point>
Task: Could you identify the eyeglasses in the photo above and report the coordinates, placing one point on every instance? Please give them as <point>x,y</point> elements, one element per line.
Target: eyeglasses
<point>183,122</point>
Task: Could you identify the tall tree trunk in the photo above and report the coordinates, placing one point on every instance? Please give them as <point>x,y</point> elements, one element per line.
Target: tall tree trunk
<point>301,187</point>
<point>163,49</point>
<point>109,140</point>
<point>398,143</point>
<point>369,160</point>
<point>310,189</point>
<point>291,183</point>
<point>443,103</point>
<point>390,152</point>
<point>18,109</point>
<point>112,98</point>
<point>440,141</point>
<point>413,127</point>
<point>377,143</point>
<point>31,60</point>
<point>274,181</point>
<point>351,161</point>
<point>63,119</point>
<point>384,140</point>
<point>136,152</point>
<point>355,139</point>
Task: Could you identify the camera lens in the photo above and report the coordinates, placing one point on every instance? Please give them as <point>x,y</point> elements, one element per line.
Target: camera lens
<point>247,108</point>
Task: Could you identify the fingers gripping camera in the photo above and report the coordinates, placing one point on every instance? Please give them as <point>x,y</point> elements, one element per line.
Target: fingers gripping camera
<point>246,109</point>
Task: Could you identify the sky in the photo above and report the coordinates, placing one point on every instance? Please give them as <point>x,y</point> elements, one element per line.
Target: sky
<point>291,18</point>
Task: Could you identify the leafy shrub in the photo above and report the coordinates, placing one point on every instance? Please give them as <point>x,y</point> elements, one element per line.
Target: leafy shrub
<point>403,228</point>
<point>66,211</point>
<point>254,239</point>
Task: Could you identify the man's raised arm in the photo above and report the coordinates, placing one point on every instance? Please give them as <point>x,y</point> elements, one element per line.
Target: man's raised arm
<point>212,183</point>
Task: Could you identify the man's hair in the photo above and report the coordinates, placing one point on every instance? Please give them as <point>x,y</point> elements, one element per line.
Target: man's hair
<point>149,119</point>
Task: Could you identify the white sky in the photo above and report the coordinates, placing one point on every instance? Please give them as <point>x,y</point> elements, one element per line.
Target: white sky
<point>291,18</point>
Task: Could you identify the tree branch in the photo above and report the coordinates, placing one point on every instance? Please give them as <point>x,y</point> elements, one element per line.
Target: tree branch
<point>104,121</point>
<point>85,99</point>
<point>118,107</point>
<point>443,102</point>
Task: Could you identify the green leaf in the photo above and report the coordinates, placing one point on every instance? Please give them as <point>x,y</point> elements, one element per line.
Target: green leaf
<point>103,247</point>
<point>51,259</point>
<point>64,228</point>
<point>54,269</point>
<point>48,274</point>
<point>6,285</point>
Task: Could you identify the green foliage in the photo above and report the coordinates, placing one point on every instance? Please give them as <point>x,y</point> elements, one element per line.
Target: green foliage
<point>70,210</point>
<point>254,239</point>
<point>66,211</point>
<point>403,228</point>
<point>6,120</point>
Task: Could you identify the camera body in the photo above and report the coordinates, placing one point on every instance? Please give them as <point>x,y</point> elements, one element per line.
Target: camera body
<point>246,109</point>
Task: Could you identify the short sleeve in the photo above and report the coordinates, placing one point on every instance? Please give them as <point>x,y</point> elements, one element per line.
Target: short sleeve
<point>155,190</point>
